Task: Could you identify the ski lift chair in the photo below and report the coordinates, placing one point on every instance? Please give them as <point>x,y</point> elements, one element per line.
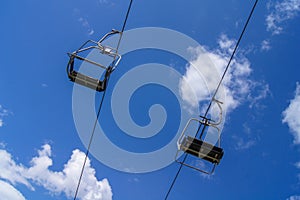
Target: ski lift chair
<point>88,81</point>
<point>199,148</point>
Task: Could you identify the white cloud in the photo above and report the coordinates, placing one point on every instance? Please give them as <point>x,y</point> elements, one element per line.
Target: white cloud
<point>8,192</point>
<point>242,144</point>
<point>226,44</point>
<point>66,180</point>
<point>281,12</point>
<point>259,91</point>
<point>2,145</point>
<point>84,22</point>
<point>297,165</point>
<point>291,115</point>
<point>202,165</point>
<point>265,45</point>
<point>103,1</point>
<point>106,2</point>
<point>204,73</point>
<point>56,182</point>
<point>3,113</point>
<point>295,197</point>
<point>11,171</point>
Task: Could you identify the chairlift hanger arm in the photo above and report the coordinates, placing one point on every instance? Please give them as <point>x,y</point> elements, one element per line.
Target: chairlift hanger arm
<point>212,122</point>
<point>113,31</point>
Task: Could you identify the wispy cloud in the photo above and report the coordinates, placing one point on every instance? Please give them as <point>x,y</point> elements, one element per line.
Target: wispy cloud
<point>44,85</point>
<point>106,2</point>
<point>103,1</point>
<point>134,180</point>
<point>291,115</point>
<point>265,45</point>
<point>259,91</point>
<point>295,197</point>
<point>56,182</point>
<point>3,113</point>
<point>243,144</point>
<point>202,165</point>
<point>280,12</point>
<point>83,21</point>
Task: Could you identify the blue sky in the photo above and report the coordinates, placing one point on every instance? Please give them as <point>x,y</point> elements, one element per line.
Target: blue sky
<point>41,152</point>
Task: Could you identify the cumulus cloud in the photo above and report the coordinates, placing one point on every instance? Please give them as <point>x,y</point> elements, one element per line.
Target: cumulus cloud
<point>291,115</point>
<point>204,73</point>
<point>56,182</point>
<point>281,12</point>
<point>11,171</point>
<point>8,192</point>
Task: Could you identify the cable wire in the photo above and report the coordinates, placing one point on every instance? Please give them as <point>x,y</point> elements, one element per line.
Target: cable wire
<point>89,146</point>
<point>100,106</point>
<point>215,93</point>
<point>121,34</point>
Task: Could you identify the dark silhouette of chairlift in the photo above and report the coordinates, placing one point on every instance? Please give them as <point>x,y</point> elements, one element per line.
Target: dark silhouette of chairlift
<point>199,148</point>
<point>88,81</point>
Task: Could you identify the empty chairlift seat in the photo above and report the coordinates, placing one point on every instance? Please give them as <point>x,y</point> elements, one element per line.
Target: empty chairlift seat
<point>87,81</point>
<point>87,47</point>
<point>202,149</point>
<point>196,146</point>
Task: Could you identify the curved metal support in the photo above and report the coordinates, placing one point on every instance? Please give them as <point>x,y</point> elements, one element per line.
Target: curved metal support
<point>215,124</point>
<point>113,31</point>
<point>104,49</point>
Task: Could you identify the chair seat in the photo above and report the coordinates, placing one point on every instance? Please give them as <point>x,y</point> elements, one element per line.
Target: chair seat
<point>202,149</point>
<point>87,81</point>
